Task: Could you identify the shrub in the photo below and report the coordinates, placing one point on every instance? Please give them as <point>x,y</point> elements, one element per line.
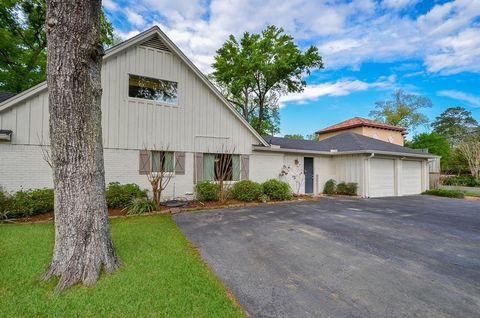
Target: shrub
<point>29,202</point>
<point>347,188</point>
<point>140,205</point>
<point>207,191</point>
<point>466,181</point>
<point>263,198</point>
<point>119,196</point>
<point>277,190</point>
<point>246,190</point>
<point>330,187</point>
<point>446,193</point>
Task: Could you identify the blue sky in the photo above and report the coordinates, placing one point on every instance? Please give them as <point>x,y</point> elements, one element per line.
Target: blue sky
<point>370,48</point>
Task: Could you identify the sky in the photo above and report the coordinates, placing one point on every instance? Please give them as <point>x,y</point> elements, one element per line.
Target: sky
<point>369,48</point>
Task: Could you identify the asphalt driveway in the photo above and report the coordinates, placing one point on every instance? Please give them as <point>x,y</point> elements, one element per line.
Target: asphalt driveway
<point>392,257</point>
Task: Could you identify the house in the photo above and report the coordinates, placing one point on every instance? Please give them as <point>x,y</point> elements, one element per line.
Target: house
<point>365,127</point>
<point>157,107</point>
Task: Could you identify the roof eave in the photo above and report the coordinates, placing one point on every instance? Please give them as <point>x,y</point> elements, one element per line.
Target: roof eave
<point>352,152</point>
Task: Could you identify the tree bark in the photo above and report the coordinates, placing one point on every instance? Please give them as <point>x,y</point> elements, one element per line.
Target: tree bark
<point>83,243</point>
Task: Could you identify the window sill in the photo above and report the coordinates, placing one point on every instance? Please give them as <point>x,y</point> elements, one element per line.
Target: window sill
<point>150,101</point>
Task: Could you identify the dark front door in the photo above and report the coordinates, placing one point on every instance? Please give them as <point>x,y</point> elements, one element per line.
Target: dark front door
<point>308,166</point>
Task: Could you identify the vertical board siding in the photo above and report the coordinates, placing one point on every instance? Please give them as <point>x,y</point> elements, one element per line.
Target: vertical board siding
<point>195,124</point>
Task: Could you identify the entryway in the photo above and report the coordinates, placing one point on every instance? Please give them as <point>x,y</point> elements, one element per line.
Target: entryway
<point>308,167</point>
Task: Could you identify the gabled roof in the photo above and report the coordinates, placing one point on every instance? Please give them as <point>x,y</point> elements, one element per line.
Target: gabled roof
<point>359,122</point>
<point>344,143</point>
<point>5,95</point>
<point>147,35</point>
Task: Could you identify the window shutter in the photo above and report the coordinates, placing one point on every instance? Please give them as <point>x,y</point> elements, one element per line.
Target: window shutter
<point>179,163</point>
<point>198,167</point>
<point>245,166</point>
<point>144,162</point>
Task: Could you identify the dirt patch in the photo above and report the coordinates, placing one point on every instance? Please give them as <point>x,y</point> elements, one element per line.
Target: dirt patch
<point>192,206</point>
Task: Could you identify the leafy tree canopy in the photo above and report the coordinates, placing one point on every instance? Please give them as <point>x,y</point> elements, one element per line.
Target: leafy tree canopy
<point>23,43</point>
<point>454,124</point>
<point>403,110</point>
<point>294,136</point>
<point>435,143</point>
<point>259,68</point>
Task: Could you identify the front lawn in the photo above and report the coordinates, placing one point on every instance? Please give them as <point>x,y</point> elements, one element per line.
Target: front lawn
<point>161,276</point>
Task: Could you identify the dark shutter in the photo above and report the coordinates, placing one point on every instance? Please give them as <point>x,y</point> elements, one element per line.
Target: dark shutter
<point>198,166</point>
<point>144,162</point>
<point>245,166</point>
<point>179,163</point>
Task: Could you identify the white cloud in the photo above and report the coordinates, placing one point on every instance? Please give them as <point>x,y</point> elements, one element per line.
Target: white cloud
<point>346,33</point>
<point>134,18</point>
<point>398,4</point>
<point>340,88</point>
<point>110,5</point>
<point>472,99</point>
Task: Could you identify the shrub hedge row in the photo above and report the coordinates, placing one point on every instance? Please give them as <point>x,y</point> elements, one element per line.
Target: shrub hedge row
<point>446,193</point>
<point>246,190</point>
<point>344,188</point>
<point>465,181</point>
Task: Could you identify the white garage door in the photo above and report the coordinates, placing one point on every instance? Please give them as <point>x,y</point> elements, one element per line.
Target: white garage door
<point>411,177</point>
<point>382,177</point>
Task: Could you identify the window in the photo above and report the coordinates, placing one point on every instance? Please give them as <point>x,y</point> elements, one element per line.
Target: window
<point>162,161</point>
<point>221,166</point>
<point>153,89</point>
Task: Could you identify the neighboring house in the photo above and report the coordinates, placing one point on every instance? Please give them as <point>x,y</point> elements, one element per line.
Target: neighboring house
<point>365,127</point>
<point>158,107</point>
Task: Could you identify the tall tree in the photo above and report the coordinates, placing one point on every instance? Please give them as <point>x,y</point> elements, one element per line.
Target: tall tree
<point>435,143</point>
<point>83,245</point>
<point>403,110</point>
<point>23,43</point>
<point>259,68</point>
<point>455,123</point>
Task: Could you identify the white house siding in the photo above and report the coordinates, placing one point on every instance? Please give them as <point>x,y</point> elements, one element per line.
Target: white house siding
<point>350,168</point>
<point>265,165</point>
<point>23,167</point>
<point>201,122</point>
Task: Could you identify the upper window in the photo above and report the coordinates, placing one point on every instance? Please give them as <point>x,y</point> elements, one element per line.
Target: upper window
<point>154,89</point>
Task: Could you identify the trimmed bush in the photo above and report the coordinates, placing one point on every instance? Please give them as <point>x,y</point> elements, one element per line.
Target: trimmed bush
<point>140,206</point>
<point>465,181</point>
<point>119,196</point>
<point>330,187</point>
<point>28,202</point>
<point>445,193</point>
<point>277,190</point>
<point>347,188</point>
<point>263,198</point>
<point>207,191</point>
<point>246,190</point>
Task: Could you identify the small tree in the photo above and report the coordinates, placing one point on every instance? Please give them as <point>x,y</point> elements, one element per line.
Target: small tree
<point>161,173</point>
<point>470,150</point>
<point>402,110</point>
<point>296,172</point>
<point>223,172</point>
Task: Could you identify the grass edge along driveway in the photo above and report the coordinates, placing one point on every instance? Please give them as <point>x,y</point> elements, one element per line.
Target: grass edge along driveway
<point>162,275</point>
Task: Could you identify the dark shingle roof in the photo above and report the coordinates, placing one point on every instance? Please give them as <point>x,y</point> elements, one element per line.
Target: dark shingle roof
<point>5,95</point>
<point>343,142</point>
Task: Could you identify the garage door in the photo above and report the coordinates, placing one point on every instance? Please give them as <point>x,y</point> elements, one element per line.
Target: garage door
<point>411,177</point>
<point>382,177</point>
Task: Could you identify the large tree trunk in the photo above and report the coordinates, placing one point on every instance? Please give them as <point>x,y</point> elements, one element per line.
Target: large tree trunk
<point>83,243</point>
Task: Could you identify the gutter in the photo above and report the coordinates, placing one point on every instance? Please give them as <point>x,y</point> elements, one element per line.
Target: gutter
<point>339,153</point>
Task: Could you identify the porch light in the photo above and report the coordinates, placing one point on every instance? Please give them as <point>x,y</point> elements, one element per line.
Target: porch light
<point>5,135</point>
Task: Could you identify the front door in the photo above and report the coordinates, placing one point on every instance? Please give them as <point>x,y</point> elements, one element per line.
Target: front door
<point>308,167</point>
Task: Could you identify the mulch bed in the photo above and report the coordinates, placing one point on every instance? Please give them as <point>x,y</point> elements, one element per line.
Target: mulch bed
<point>192,206</point>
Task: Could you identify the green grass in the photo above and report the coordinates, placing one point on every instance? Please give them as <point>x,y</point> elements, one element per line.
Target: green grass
<point>161,276</point>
